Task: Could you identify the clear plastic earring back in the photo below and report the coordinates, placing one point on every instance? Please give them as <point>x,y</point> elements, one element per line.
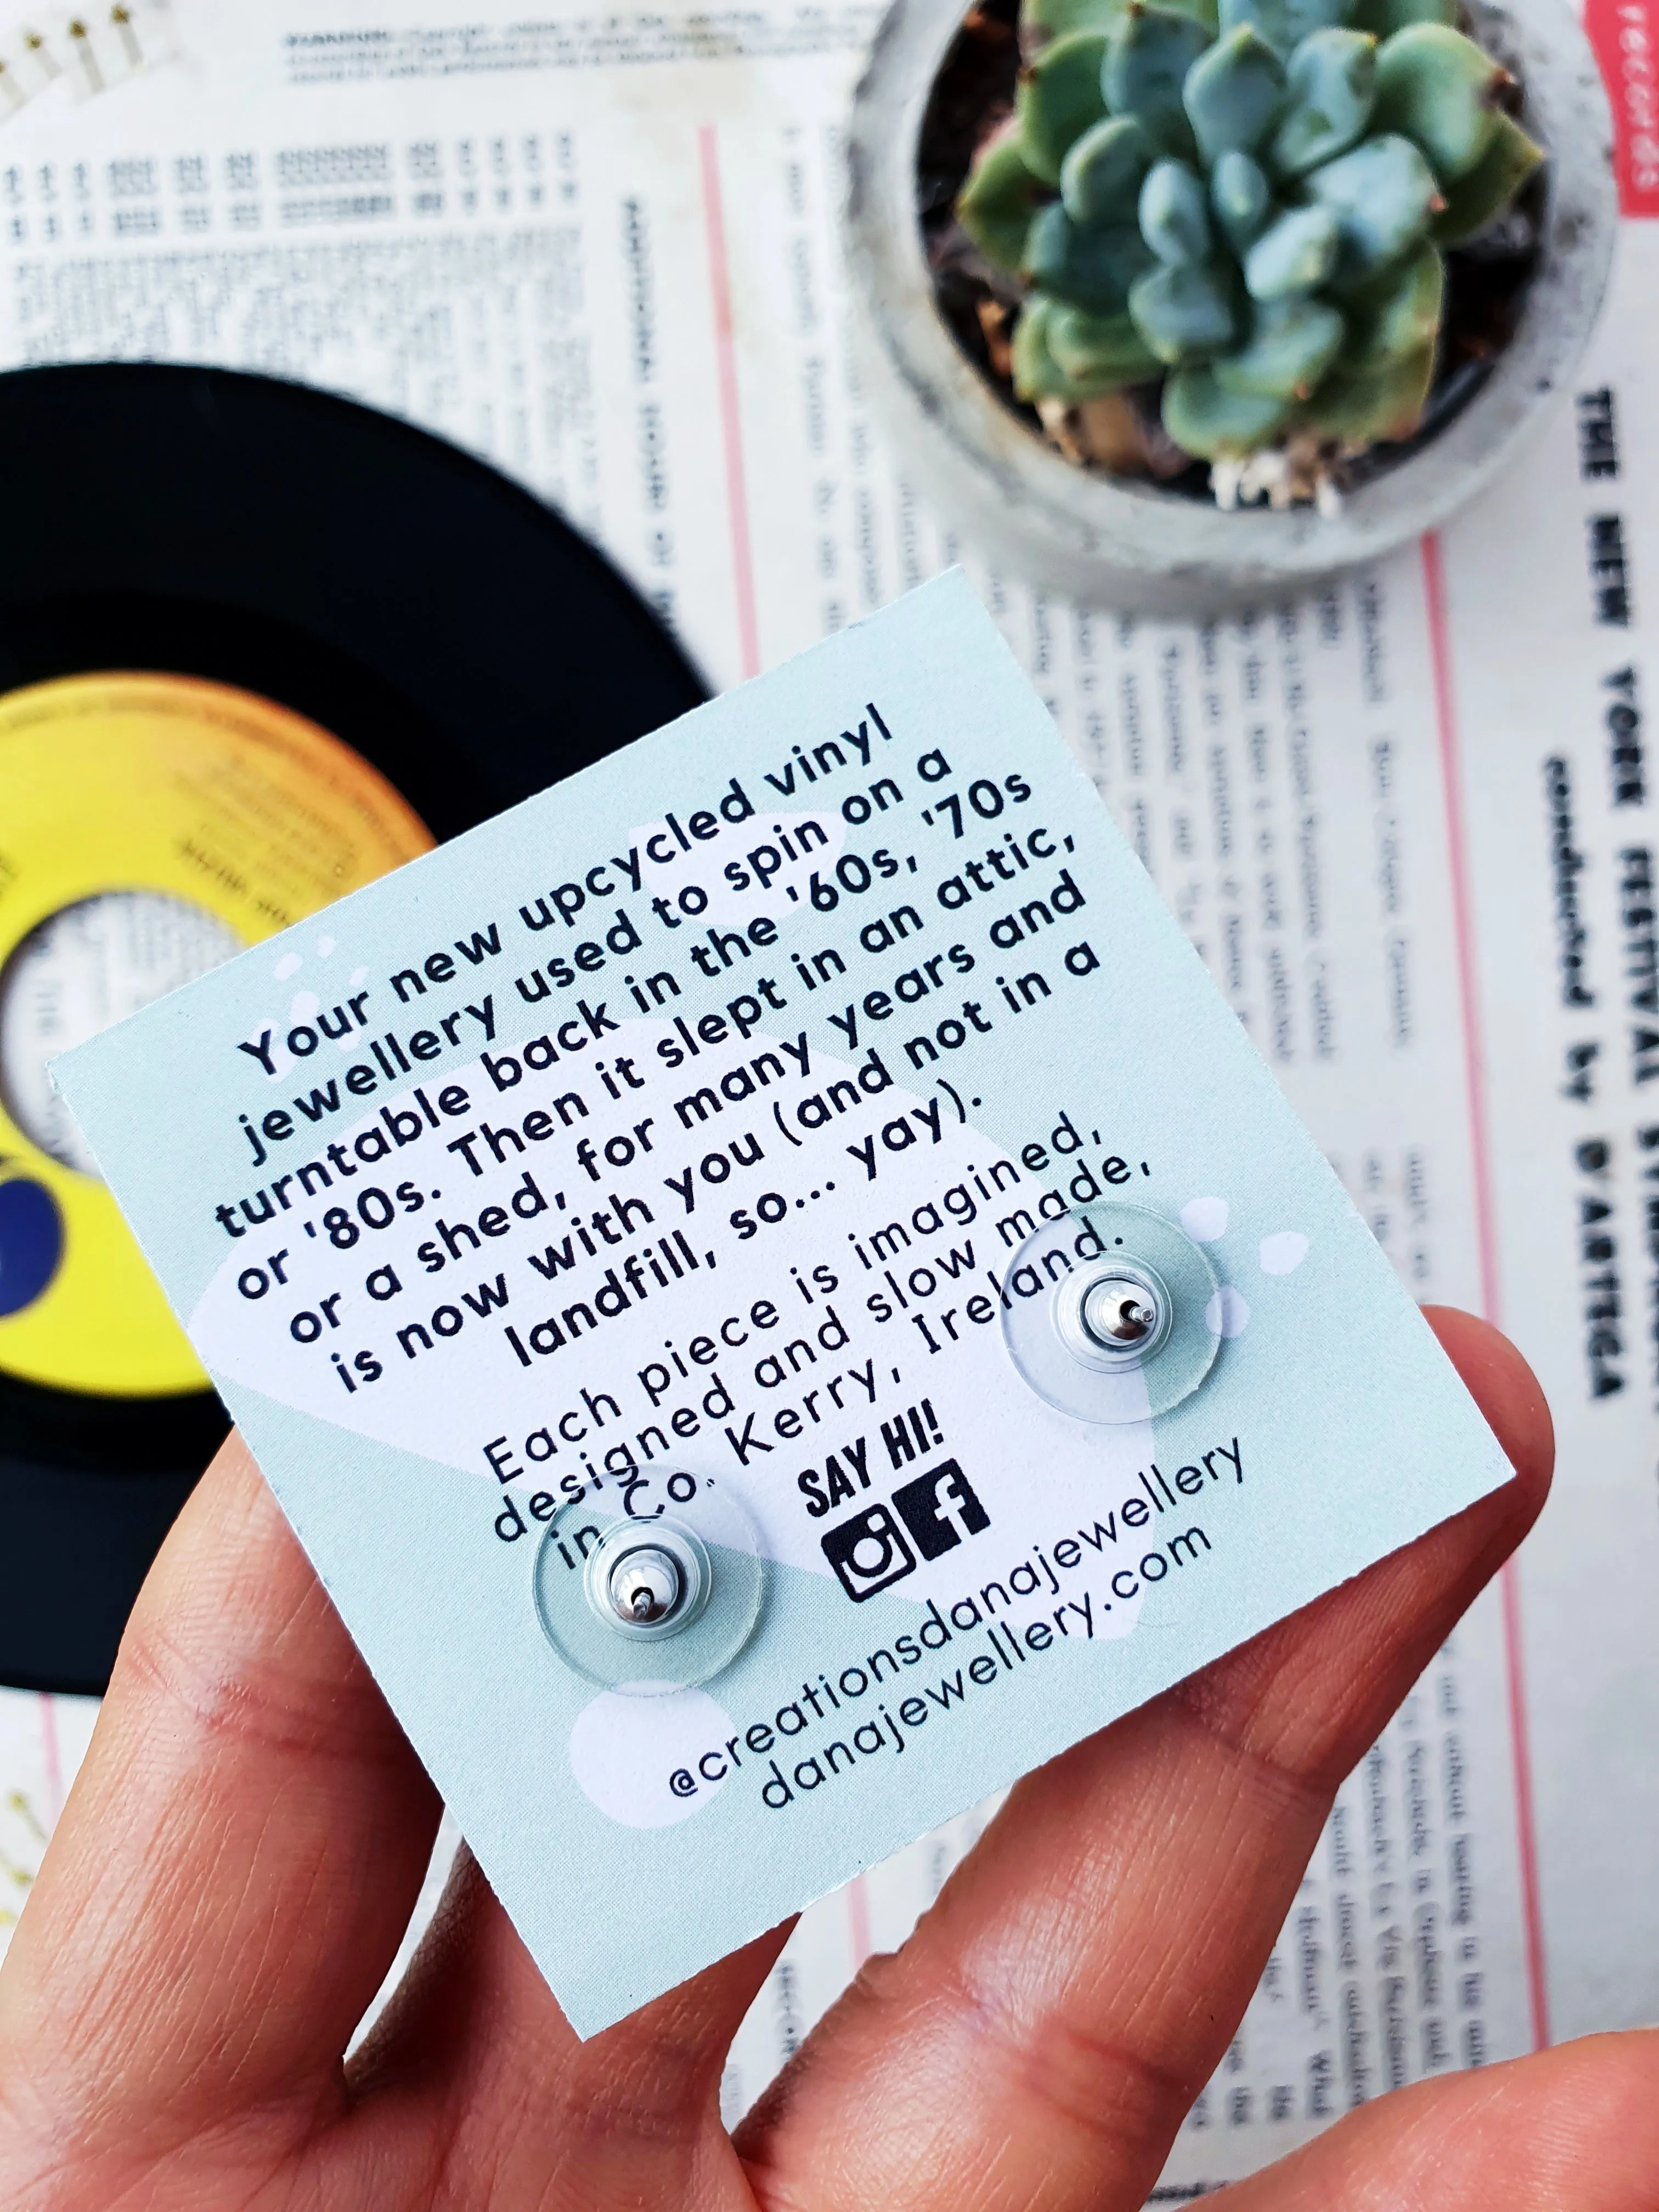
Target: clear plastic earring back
<point>1107,1314</point>
<point>653,1601</point>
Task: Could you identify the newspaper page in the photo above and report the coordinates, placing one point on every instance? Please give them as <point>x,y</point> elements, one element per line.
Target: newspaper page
<point>1408,822</point>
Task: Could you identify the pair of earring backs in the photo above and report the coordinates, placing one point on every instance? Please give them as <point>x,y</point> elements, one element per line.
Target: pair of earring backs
<point>1120,1335</point>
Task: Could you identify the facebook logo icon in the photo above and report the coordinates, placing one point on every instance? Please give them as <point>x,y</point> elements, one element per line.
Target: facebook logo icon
<point>939,1508</point>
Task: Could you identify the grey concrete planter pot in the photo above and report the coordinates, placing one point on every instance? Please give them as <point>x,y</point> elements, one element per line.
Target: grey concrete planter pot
<point>1134,546</point>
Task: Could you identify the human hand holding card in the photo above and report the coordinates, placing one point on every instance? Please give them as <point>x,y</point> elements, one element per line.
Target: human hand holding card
<point>774,1292</point>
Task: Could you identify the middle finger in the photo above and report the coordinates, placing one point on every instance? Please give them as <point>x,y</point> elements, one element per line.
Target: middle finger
<point>1039,2039</point>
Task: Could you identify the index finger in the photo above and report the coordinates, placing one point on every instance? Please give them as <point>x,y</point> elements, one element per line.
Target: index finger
<point>238,1858</point>
<point>1038,2041</point>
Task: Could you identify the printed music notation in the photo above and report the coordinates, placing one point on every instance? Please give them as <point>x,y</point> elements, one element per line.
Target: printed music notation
<point>24,1840</point>
<point>78,53</point>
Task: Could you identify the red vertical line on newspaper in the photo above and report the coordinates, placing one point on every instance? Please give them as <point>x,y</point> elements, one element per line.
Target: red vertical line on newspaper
<point>1474,1072</point>
<point>726,357</point>
<point>858,1916</point>
<point>54,1762</point>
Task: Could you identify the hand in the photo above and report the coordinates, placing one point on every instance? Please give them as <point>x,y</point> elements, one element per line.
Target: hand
<point>240,1854</point>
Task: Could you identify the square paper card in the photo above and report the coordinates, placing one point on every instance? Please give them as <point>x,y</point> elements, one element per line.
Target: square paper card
<point>775,1292</point>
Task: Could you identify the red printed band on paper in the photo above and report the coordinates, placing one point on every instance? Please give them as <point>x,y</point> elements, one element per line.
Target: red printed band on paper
<point>1625,36</point>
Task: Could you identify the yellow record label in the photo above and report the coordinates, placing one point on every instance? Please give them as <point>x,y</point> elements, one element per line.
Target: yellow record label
<point>149,827</point>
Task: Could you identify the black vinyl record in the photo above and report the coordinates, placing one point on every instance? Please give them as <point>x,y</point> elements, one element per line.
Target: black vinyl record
<point>430,616</point>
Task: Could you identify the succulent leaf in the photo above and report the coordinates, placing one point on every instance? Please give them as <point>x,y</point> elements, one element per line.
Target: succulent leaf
<point>1149,51</point>
<point>1332,80</point>
<point>1285,23</point>
<point>1241,199</point>
<point>1098,354</point>
<point>1174,216</point>
<point>1382,194</point>
<point>1437,87</point>
<point>1207,420</point>
<point>1296,253</point>
<point>1038,374</point>
<point>1290,345</point>
<point>1384,17</point>
<point>1100,178</point>
<point>1184,314</point>
<point>1489,187</point>
<point>1054,18</point>
<point>1398,313</point>
<point>996,204</point>
<point>1203,13</point>
<point>1091,267</point>
<point>1058,98</point>
<point>1232,93</point>
<point>1360,405</point>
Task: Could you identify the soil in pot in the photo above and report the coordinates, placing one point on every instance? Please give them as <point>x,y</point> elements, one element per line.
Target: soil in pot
<point>972,96</point>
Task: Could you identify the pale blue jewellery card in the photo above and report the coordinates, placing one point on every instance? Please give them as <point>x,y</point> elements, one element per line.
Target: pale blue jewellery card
<point>775,1292</point>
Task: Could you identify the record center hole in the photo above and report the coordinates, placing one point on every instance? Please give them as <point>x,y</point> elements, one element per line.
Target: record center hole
<point>75,973</point>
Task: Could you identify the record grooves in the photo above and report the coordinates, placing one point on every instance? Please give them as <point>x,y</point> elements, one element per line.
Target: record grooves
<point>399,633</point>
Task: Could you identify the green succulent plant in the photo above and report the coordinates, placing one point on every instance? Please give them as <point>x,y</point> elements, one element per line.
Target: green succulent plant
<point>1252,206</point>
